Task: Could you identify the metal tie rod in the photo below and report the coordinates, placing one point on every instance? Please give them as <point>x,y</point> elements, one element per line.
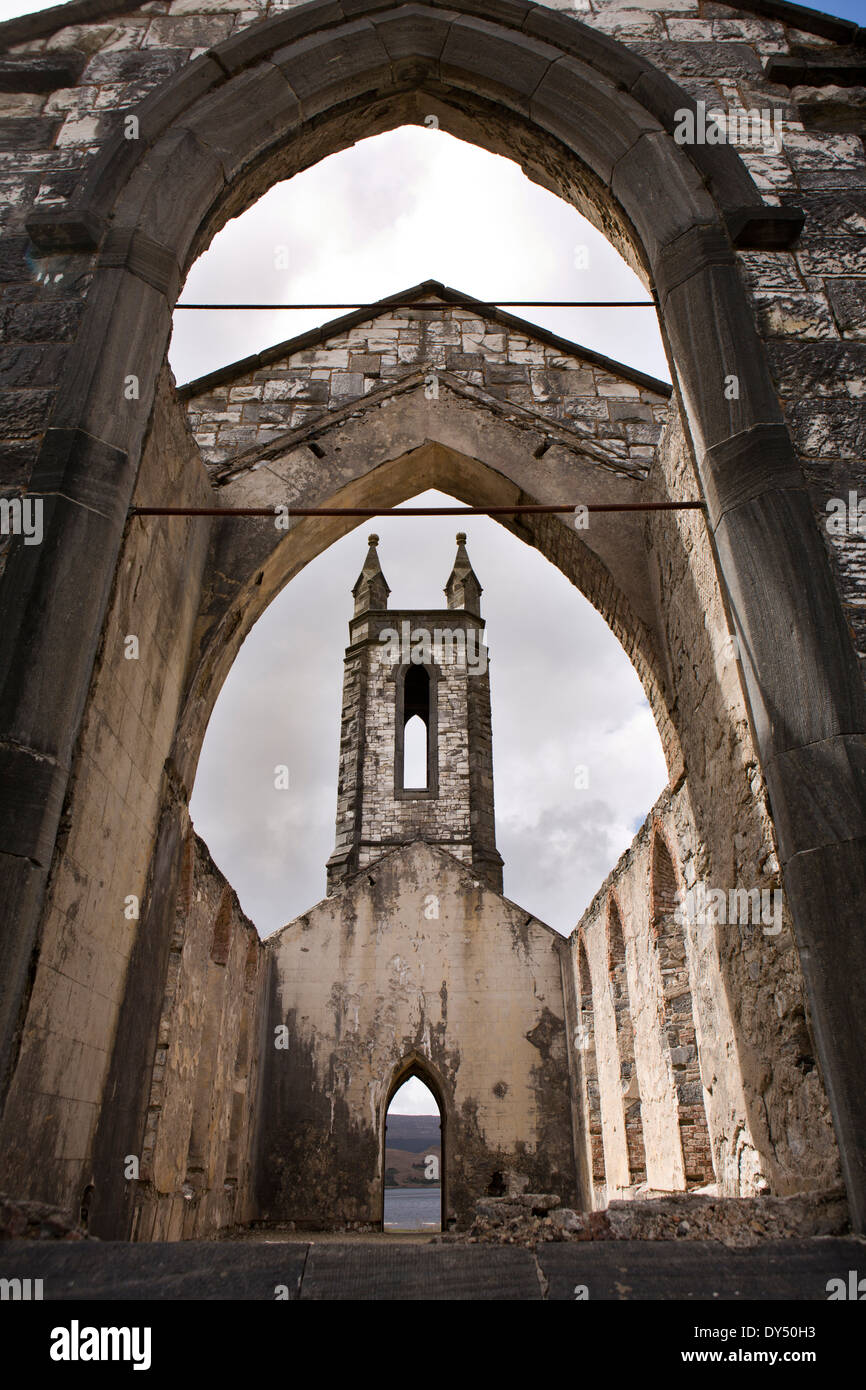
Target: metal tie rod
<point>451,304</point>
<point>419,511</point>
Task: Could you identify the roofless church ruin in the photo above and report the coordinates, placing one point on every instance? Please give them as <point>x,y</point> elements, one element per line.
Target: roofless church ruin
<point>700,1029</point>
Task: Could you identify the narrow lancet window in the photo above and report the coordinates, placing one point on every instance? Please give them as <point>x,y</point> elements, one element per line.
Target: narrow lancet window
<point>416,729</point>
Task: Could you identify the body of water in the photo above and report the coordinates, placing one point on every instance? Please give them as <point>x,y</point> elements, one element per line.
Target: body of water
<point>413,1208</point>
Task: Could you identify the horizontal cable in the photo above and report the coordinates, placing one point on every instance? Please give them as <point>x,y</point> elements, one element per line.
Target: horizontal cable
<point>379,307</point>
<point>419,511</point>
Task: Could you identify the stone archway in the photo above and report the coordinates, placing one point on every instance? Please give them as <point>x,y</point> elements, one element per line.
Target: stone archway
<point>417,1065</point>
<point>593,121</point>
<point>382,456</point>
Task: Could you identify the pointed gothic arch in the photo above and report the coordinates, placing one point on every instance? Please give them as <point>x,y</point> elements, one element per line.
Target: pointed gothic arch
<point>416,694</point>
<point>412,1064</point>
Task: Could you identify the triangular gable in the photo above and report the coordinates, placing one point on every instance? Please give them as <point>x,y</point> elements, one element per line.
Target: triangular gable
<point>429,291</point>
<point>313,433</point>
<point>506,362</point>
<point>419,855</point>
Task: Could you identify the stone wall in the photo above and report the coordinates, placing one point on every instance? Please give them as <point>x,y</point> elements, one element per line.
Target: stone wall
<point>415,963</point>
<point>699,1115</point>
<point>196,1166</point>
<point>752,994</point>
<point>767,1115</point>
<point>99,901</point>
<point>237,410</point>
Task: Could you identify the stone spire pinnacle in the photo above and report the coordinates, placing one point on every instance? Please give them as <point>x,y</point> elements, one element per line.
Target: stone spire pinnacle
<point>463,589</point>
<point>371,588</point>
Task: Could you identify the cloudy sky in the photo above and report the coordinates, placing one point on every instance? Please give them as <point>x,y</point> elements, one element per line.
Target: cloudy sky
<point>412,205</point>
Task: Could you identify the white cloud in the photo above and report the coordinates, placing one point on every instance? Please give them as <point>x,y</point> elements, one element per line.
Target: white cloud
<point>391,211</point>
<point>413,1098</point>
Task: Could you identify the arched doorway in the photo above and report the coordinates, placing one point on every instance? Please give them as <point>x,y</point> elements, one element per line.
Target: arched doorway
<point>414,1158</point>
<point>422,1203</point>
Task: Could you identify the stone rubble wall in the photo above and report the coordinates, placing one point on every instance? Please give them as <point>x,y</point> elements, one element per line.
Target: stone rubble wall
<point>371,816</point>
<point>721,834</point>
<point>768,1122</point>
<point>623,416</point>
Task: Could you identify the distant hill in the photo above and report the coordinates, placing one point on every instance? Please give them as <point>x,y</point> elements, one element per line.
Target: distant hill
<point>408,1141</point>
<point>412,1132</point>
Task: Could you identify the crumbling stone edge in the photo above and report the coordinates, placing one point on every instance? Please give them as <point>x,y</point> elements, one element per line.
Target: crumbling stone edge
<point>20,1220</point>
<point>532,1219</point>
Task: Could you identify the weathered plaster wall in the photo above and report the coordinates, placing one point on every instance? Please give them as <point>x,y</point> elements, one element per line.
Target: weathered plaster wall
<point>103,859</point>
<point>196,1175</point>
<point>415,958</point>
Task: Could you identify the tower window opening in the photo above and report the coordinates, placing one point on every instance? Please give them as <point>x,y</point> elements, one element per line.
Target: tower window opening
<point>416,729</point>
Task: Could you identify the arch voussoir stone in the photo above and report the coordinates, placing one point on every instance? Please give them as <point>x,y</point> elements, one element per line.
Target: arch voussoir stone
<point>270,107</point>
<point>418,34</point>
<point>328,69</point>
<point>572,96</point>
<point>415,37</point>
<point>495,63</point>
<point>663,193</point>
<point>171,191</point>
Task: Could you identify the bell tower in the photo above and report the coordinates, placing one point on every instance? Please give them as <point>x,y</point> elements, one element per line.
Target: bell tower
<point>427,665</point>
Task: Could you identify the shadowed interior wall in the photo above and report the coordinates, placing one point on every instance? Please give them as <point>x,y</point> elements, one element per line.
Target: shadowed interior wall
<point>196,1166</point>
